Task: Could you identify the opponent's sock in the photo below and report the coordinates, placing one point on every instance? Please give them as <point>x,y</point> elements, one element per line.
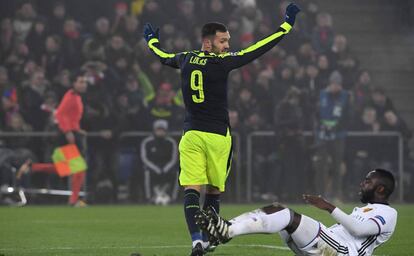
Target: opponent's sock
<point>191,207</point>
<point>261,223</point>
<point>212,200</point>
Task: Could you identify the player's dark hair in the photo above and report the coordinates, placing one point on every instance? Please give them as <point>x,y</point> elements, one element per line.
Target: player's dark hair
<point>387,180</point>
<point>76,74</point>
<point>210,29</point>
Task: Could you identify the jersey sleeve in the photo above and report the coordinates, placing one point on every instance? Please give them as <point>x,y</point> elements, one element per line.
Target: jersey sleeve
<point>354,227</point>
<point>170,59</point>
<point>234,60</point>
<point>385,221</point>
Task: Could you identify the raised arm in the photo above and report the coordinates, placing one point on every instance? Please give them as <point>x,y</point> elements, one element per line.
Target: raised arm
<point>153,40</point>
<point>354,227</point>
<point>237,59</point>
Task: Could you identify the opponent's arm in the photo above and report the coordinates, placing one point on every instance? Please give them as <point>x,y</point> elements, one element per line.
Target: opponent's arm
<point>153,40</point>
<point>354,227</point>
<point>240,58</point>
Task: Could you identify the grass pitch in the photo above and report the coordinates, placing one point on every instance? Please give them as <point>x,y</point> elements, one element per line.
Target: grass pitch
<point>147,230</point>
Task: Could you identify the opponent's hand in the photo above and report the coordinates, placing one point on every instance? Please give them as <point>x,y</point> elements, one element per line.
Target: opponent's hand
<point>319,202</point>
<point>290,14</point>
<point>150,33</point>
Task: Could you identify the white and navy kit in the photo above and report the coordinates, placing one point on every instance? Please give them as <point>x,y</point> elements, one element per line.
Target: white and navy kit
<point>384,216</point>
<point>356,234</point>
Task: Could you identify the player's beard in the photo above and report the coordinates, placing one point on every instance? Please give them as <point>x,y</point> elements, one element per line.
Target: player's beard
<point>367,196</point>
<point>216,50</point>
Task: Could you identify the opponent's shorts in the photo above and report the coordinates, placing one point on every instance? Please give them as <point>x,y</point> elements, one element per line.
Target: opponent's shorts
<point>205,158</point>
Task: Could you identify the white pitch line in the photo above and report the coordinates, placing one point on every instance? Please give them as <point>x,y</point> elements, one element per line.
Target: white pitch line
<point>144,247</point>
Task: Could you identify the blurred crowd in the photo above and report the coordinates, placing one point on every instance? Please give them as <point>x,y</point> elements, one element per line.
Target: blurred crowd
<point>310,81</point>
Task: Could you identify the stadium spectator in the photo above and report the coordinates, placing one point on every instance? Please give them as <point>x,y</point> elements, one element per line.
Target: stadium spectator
<point>217,11</point>
<point>163,106</point>
<point>361,91</point>
<point>36,38</point>
<point>245,104</point>
<point>153,12</point>
<point>381,102</point>
<point>16,123</point>
<point>388,151</point>
<point>130,33</point>
<point>71,43</point>
<point>57,19</point>
<point>16,60</point>
<point>33,96</point>
<point>288,125</point>
<point>119,22</point>
<point>23,21</point>
<point>159,155</point>
<point>323,33</point>
<point>9,104</point>
<point>333,118</point>
<point>362,151</point>
<point>93,48</point>
<point>53,59</point>
<point>62,83</point>
<point>343,61</point>
<point>325,70</point>
<point>7,38</point>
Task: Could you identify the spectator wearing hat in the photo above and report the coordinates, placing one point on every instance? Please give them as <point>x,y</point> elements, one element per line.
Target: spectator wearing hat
<point>334,108</point>
<point>160,157</point>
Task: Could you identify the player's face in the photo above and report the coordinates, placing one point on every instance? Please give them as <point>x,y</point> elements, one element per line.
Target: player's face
<point>221,42</point>
<point>368,188</point>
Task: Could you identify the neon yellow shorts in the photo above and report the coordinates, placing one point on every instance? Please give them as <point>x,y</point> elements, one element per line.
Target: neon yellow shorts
<point>205,158</point>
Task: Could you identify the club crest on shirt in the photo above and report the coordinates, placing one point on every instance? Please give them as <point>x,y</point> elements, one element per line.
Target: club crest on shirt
<point>367,210</point>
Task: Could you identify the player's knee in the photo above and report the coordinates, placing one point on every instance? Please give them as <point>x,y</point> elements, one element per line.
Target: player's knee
<point>295,219</point>
<point>275,207</point>
<point>212,190</point>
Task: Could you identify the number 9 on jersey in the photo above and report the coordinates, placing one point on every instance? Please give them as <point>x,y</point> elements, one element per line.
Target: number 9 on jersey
<point>197,85</point>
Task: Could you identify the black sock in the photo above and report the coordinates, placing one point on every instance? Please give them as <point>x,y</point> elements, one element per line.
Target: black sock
<point>191,206</point>
<point>214,201</point>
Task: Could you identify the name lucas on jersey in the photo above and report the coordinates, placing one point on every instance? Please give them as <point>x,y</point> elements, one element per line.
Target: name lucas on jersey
<point>198,61</point>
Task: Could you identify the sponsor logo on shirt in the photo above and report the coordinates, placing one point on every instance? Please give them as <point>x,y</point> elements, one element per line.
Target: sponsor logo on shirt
<point>367,210</point>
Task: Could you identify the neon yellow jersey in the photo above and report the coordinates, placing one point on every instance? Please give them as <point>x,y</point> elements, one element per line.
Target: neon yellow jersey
<point>204,80</point>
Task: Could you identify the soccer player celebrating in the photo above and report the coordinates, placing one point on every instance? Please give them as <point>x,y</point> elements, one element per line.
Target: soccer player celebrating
<point>205,147</point>
<point>356,234</point>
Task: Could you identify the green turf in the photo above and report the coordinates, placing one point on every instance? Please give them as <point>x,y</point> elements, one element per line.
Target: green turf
<point>148,230</point>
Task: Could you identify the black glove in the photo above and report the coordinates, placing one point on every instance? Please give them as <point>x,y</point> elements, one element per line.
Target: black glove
<point>150,33</point>
<point>290,14</point>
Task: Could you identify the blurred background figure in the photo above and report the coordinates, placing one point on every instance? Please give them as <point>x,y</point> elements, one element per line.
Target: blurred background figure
<point>159,156</point>
<point>333,118</point>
